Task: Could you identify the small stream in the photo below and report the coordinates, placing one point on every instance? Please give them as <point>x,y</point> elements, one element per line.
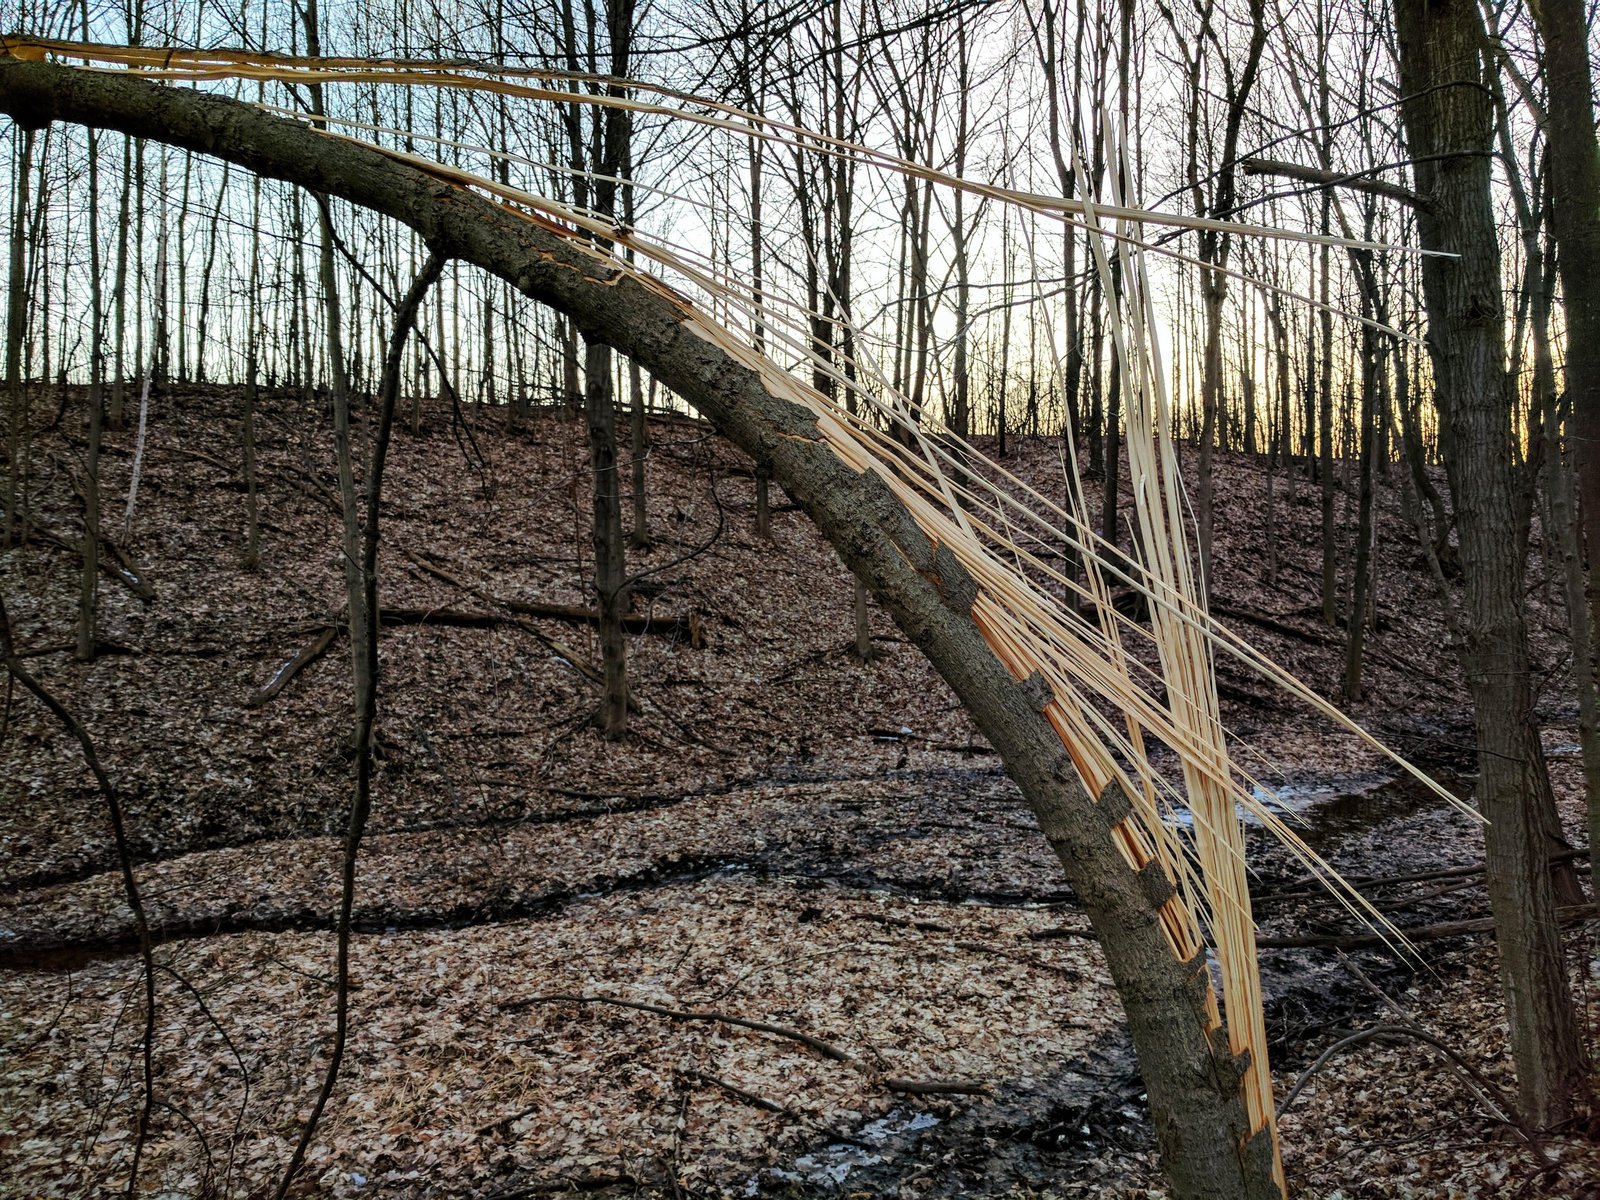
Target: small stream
<point>1056,1132</point>
<point>1059,1128</point>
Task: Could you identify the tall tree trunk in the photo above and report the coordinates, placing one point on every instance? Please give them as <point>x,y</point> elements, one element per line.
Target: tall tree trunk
<point>638,448</point>
<point>1361,583</point>
<point>16,333</point>
<point>1562,529</point>
<point>203,317</point>
<point>119,293</point>
<point>1448,116</point>
<point>1324,376</point>
<point>863,626</point>
<point>1214,248</point>
<point>609,570</point>
<point>89,580</point>
<point>609,150</point>
<point>638,427</point>
<point>251,557</point>
<point>1112,492</point>
<point>1575,221</point>
<point>161,338</point>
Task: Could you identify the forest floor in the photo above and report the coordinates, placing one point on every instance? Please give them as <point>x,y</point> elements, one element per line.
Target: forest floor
<point>788,836</point>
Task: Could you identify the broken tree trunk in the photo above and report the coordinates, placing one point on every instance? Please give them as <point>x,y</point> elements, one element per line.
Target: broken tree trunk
<point>1191,1077</point>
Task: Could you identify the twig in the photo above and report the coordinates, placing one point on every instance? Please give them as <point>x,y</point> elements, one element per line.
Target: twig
<point>475,459</point>
<point>438,766</point>
<point>16,671</point>
<point>125,569</point>
<point>748,1097</point>
<point>1500,1108</point>
<point>912,1087</point>
<point>201,456</point>
<point>1482,1088</point>
<point>361,581</point>
<point>675,1156</point>
<point>501,1124</point>
<point>244,1071</point>
<point>209,1175</point>
<point>826,1049</point>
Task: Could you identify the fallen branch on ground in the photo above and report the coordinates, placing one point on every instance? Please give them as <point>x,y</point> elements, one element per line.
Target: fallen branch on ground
<point>686,627</point>
<point>457,618</point>
<point>934,1087</point>
<point>748,1097</point>
<point>101,648</point>
<point>912,1087</point>
<point>826,1049</point>
<point>1309,892</point>
<point>303,658</point>
<point>1499,1107</point>
<point>115,561</point>
<point>1417,933</point>
<point>572,657</point>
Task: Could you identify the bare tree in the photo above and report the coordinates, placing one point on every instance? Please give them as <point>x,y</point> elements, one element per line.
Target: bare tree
<point>16,334</point>
<point>1575,200</point>
<point>89,578</point>
<point>1449,115</point>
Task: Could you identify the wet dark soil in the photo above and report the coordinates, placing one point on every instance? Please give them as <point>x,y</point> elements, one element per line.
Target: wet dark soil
<point>483,738</point>
<point>1061,1131</point>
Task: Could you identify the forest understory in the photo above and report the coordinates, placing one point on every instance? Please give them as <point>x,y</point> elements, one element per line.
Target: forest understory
<point>565,944</point>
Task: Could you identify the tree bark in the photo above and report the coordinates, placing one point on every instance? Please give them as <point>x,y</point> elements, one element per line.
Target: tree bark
<point>1575,222</point>
<point>610,572</point>
<point>88,585</point>
<point>1192,1079</point>
<point>1448,116</point>
<point>1360,585</point>
<point>16,331</point>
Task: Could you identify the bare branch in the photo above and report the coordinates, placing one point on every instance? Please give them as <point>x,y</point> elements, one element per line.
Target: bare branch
<point>1354,181</point>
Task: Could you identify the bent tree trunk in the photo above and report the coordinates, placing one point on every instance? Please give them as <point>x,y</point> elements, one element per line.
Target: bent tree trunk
<point>1448,114</point>
<point>1190,1075</point>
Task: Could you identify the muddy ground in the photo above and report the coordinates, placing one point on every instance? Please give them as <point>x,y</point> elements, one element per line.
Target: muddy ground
<point>790,837</point>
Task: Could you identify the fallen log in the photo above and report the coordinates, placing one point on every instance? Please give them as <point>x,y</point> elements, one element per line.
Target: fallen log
<point>685,627</point>
<point>1417,933</point>
<point>458,618</point>
<point>1314,890</point>
<point>572,657</point>
<point>114,560</point>
<point>318,646</point>
<point>302,659</point>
